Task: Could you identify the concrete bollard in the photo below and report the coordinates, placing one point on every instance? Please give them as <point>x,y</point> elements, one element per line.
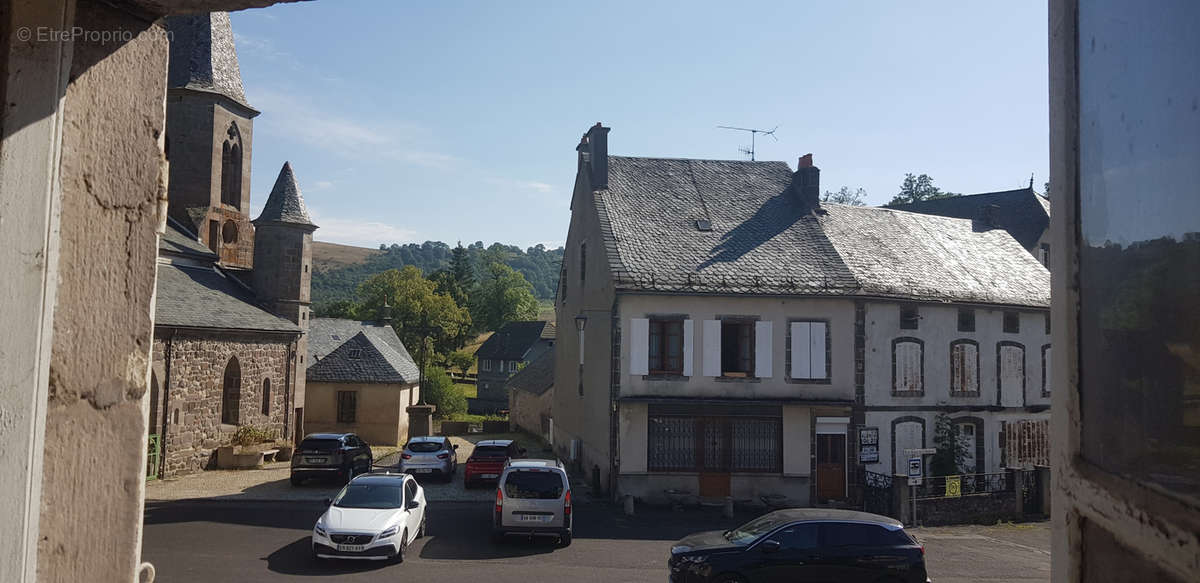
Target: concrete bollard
<point>629,505</point>
<point>727,511</point>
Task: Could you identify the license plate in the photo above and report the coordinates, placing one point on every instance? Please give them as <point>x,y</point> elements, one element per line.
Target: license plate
<point>352,548</point>
<point>534,518</point>
<point>316,460</point>
<point>423,470</point>
<point>486,476</point>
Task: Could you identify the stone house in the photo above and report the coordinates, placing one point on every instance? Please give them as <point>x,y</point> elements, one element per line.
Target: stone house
<point>531,396</point>
<point>232,294</point>
<point>361,379</point>
<point>1023,212</point>
<point>733,334</point>
<point>513,346</point>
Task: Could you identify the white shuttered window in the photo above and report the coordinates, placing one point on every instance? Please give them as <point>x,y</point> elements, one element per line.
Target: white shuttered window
<point>809,350</point>
<point>762,349</point>
<point>710,361</point>
<point>639,356</point>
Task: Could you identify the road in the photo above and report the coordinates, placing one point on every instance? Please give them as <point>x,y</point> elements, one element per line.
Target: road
<point>223,541</point>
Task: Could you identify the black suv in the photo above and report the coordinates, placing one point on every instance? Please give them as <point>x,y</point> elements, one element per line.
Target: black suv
<point>331,455</point>
<point>802,544</point>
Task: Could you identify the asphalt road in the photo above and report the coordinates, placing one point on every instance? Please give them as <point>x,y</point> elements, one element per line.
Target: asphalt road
<point>222,541</point>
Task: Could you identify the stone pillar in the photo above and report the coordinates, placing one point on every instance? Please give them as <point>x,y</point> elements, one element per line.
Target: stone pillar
<point>1044,478</point>
<point>420,420</point>
<point>902,499</point>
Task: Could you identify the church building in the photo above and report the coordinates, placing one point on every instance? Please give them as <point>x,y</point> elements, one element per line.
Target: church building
<point>232,298</point>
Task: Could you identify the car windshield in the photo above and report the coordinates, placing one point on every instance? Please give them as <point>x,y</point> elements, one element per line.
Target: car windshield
<point>535,485</point>
<point>370,496</point>
<point>491,451</point>
<point>423,446</point>
<point>749,532</point>
<point>320,444</point>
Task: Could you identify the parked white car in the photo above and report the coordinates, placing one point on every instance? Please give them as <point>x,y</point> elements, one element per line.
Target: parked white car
<point>375,517</point>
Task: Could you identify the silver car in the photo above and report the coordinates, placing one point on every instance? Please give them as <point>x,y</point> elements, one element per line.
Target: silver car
<point>533,498</point>
<point>425,456</point>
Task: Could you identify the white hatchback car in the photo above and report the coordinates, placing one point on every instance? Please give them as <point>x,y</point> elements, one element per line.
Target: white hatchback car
<point>533,498</point>
<point>376,517</point>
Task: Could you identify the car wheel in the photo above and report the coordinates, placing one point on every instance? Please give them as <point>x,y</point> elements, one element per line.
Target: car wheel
<point>403,552</point>
<point>421,529</point>
<point>564,540</point>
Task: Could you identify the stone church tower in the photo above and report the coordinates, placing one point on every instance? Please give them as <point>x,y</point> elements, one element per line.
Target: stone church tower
<point>210,130</point>
<point>283,262</point>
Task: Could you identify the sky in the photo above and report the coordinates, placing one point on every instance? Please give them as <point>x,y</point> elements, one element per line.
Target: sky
<point>409,121</point>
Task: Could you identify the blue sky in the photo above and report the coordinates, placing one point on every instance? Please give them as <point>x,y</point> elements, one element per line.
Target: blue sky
<point>409,121</point>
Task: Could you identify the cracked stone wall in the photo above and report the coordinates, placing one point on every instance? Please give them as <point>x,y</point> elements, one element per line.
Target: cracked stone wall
<point>193,390</point>
<point>112,171</point>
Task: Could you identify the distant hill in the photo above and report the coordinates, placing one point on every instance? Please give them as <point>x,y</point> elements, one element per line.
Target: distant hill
<point>327,256</point>
<point>339,269</point>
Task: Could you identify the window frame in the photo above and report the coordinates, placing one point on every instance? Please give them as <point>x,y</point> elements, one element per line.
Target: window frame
<point>266,397</point>
<point>970,312</point>
<point>914,319</point>
<point>921,344</point>
<point>747,334</point>
<point>726,456</point>
<point>828,353</point>
<point>340,406</point>
<point>1016,320</point>
<point>485,364</point>
<point>661,323</point>
<point>978,374</point>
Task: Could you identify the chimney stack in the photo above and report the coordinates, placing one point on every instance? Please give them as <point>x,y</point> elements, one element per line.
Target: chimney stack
<point>806,183</point>
<point>594,151</point>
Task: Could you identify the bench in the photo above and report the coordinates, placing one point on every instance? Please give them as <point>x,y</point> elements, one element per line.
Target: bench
<point>269,455</point>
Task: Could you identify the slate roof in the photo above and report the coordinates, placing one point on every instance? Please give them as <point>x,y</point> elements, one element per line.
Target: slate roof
<point>382,357</point>
<point>180,241</point>
<point>206,297</point>
<point>203,56</point>
<point>1022,212</point>
<point>512,341</point>
<point>763,241</point>
<point>285,204</point>
<point>537,377</point>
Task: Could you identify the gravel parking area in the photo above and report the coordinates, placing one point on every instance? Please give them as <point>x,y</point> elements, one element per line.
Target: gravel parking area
<point>271,482</point>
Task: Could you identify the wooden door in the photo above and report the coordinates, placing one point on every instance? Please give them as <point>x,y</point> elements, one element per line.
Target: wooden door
<point>715,451</point>
<point>831,467</point>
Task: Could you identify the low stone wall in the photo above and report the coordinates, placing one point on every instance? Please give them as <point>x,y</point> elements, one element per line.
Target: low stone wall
<point>971,509</point>
<point>496,427</point>
<point>455,427</point>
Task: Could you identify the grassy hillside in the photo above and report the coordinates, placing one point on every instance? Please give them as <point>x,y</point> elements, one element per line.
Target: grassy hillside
<point>328,256</point>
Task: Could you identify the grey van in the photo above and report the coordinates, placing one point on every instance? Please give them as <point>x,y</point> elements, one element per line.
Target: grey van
<point>533,498</point>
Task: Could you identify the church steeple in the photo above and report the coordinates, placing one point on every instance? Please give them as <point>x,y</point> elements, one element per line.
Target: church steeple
<point>203,57</point>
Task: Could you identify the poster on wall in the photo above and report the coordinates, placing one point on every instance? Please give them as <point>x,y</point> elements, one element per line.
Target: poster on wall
<point>868,445</point>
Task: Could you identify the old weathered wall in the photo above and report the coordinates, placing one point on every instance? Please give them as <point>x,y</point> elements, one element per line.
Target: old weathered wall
<point>112,174</point>
<point>526,409</point>
<point>194,389</point>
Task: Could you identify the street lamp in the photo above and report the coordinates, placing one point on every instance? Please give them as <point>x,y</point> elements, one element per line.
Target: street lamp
<point>425,330</point>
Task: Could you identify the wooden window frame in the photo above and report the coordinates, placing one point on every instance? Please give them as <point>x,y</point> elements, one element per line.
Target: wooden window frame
<point>661,323</point>
<point>746,334</point>
<point>1016,319</point>
<point>787,353</point>
<point>978,377</point>
<point>969,312</point>
<point>915,319</point>
<point>341,410</point>
<point>921,344</point>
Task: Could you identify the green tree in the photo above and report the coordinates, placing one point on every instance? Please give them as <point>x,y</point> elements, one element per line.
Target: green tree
<point>441,392</point>
<point>348,309</point>
<point>856,197</point>
<point>919,188</point>
<point>951,451</point>
<point>503,297</point>
<point>461,268</point>
<point>460,359</point>
<point>418,311</point>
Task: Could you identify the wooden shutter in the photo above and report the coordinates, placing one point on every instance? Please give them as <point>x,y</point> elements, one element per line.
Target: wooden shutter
<point>762,349</point>
<point>816,350</point>
<point>688,329</point>
<point>639,346</point>
<point>801,353</point>
<point>711,360</point>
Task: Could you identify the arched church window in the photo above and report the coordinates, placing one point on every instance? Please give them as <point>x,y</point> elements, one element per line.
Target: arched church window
<point>231,392</point>
<point>231,167</point>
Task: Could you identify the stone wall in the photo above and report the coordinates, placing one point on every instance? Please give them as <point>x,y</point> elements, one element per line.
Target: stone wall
<point>975,509</point>
<point>192,391</point>
<point>526,410</point>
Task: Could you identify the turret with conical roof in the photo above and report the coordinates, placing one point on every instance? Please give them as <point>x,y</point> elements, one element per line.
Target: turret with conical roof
<point>285,204</point>
<point>210,131</point>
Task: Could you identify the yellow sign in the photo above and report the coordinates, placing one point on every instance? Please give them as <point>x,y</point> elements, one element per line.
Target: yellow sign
<point>953,486</point>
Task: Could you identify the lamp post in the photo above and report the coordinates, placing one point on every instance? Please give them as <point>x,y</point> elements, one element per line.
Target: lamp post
<point>420,416</point>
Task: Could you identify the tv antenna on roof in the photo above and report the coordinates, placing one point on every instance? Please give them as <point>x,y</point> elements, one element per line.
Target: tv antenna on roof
<point>753,133</point>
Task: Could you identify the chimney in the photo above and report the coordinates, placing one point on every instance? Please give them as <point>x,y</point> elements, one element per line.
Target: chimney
<point>806,183</point>
<point>593,149</point>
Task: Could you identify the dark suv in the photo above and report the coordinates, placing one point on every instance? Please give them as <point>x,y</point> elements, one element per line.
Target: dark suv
<point>802,544</point>
<point>340,456</point>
